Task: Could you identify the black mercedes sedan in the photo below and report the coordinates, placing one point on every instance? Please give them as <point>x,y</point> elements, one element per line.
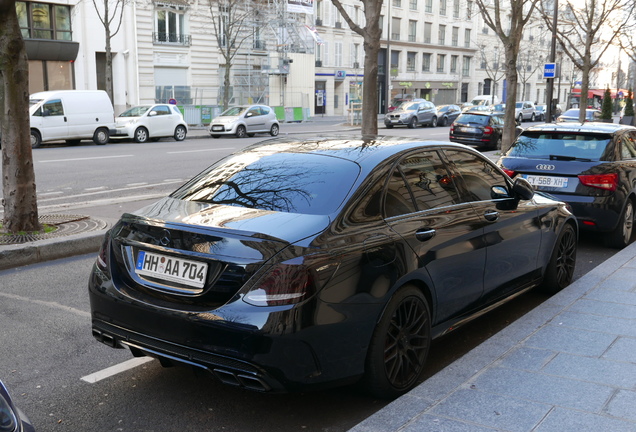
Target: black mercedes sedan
<point>299,264</point>
<point>591,166</point>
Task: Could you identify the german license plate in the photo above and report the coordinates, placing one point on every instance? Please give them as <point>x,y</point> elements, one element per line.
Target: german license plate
<point>217,128</point>
<point>173,269</point>
<point>547,181</point>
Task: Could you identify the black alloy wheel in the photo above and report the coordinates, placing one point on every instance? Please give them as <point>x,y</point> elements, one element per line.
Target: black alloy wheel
<point>400,345</point>
<point>622,234</point>
<point>560,269</point>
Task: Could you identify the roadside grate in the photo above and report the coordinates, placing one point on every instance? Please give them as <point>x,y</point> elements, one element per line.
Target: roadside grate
<point>65,225</point>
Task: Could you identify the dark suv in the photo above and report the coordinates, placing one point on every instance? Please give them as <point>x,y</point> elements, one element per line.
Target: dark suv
<point>591,166</point>
<point>412,114</point>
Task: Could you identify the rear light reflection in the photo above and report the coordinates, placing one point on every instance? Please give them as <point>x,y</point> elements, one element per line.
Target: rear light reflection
<point>511,173</point>
<point>102,256</point>
<point>600,181</point>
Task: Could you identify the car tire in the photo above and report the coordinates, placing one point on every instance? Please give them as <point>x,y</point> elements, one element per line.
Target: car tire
<point>443,121</point>
<point>399,346</point>
<point>560,269</point>
<point>141,135</point>
<point>434,122</point>
<point>622,234</point>
<point>101,136</point>
<point>520,118</point>
<point>214,136</point>
<point>532,117</point>
<point>274,130</point>
<point>388,126</point>
<point>241,132</point>
<point>36,139</point>
<point>412,123</point>
<point>180,133</point>
<point>497,145</point>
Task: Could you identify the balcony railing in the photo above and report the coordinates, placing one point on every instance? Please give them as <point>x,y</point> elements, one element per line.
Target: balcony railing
<point>171,38</point>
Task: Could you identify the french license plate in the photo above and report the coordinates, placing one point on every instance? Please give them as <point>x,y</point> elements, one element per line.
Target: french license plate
<point>188,272</point>
<point>547,181</point>
<point>217,128</point>
<point>468,130</point>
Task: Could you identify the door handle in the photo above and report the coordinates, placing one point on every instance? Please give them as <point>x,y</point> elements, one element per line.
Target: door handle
<point>424,235</point>
<point>491,216</point>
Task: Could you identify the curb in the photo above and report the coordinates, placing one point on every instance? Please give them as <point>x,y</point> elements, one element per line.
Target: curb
<point>18,255</point>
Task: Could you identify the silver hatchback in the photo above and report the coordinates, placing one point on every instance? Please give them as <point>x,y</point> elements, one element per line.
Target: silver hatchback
<point>245,120</point>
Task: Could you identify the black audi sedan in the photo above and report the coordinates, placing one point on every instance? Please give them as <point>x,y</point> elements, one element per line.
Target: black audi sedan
<point>293,265</point>
<point>591,166</point>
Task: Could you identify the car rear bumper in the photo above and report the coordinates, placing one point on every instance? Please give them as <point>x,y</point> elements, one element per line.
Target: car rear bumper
<point>593,213</point>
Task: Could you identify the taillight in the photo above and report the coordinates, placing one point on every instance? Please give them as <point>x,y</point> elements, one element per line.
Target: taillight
<point>488,130</point>
<point>452,128</point>
<point>511,173</point>
<point>102,255</point>
<point>288,283</point>
<point>600,181</point>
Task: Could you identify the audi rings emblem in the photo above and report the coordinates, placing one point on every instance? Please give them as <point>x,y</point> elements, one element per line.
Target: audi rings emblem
<point>165,238</point>
<point>546,167</point>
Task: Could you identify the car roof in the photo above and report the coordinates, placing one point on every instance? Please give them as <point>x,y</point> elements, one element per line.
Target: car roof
<point>589,127</point>
<point>364,150</point>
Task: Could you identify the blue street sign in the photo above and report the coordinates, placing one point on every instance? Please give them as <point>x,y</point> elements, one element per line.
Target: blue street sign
<point>549,70</point>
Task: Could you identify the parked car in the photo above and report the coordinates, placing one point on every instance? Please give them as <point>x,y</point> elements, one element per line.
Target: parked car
<point>446,114</point>
<point>480,128</point>
<point>395,103</point>
<point>11,418</point>
<point>71,116</point>
<point>246,120</point>
<point>572,115</point>
<point>151,122</point>
<point>412,114</point>
<point>478,108</point>
<point>591,166</point>
<point>541,112</point>
<point>525,110</point>
<point>298,264</point>
<point>500,107</point>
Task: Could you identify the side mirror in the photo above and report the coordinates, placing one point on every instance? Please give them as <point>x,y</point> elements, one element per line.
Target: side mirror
<point>249,114</point>
<point>522,188</point>
<point>152,113</point>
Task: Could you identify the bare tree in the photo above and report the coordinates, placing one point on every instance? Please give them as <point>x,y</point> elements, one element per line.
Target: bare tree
<point>508,21</point>
<point>585,32</point>
<point>112,12</point>
<point>491,60</point>
<point>528,63</point>
<point>18,177</point>
<point>233,22</point>
<point>371,34</point>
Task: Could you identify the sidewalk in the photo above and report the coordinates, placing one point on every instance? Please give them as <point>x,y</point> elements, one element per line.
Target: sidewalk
<point>568,365</point>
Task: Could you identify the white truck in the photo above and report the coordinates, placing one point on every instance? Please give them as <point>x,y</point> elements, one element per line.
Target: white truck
<point>71,116</point>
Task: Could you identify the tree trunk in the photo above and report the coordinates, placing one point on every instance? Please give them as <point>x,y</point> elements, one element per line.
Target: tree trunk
<point>511,99</point>
<point>108,73</point>
<point>18,178</point>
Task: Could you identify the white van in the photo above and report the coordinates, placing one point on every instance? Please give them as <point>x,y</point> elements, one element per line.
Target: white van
<point>71,115</point>
<point>485,100</point>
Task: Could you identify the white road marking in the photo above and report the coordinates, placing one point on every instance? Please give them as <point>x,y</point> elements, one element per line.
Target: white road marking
<point>203,150</point>
<point>117,369</point>
<point>47,303</point>
<point>95,188</point>
<point>50,193</point>
<point>110,190</point>
<point>85,159</point>
<point>137,184</point>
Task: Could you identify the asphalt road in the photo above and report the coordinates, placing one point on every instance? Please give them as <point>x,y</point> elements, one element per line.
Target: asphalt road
<point>46,337</point>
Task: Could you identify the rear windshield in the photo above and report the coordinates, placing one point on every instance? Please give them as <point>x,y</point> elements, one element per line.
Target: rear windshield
<point>546,145</point>
<point>284,182</point>
<point>472,118</point>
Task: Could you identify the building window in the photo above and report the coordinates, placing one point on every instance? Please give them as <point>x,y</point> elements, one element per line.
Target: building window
<point>170,25</point>
<point>410,61</point>
<point>395,28</point>
<point>467,38</point>
<point>397,3</point>
<point>412,30</point>
<point>441,35</point>
<point>426,62</point>
<point>413,5</point>
<point>442,7</point>
<point>428,6</point>
<point>455,37</point>
<point>338,54</point>
<point>469,10</point>
<point>466,66</point>
<point>44,21</point>
<point>428,30</point>
<point>455,8</point>
<point>441,59</point>
<point>453,65</point>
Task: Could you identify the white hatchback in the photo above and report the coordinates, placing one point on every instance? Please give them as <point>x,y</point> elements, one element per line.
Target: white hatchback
<point>151,122</point>
<point>245,120</point>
